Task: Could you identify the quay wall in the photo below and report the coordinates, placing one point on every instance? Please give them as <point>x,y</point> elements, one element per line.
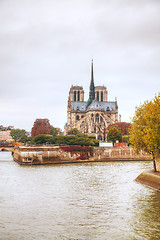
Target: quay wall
<point>52,155</point>
<point>150,178</point>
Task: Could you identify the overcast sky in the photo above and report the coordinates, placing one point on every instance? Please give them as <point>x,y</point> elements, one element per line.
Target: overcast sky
<point>47,45</point>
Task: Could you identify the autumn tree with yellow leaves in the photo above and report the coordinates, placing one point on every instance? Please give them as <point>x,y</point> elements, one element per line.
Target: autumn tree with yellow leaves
<point>145,129</point>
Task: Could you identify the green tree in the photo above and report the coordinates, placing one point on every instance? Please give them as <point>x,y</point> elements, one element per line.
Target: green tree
<point>126,138</point>
<point>114,134</point>
<point>17,133</point>
<point>24,139</point>
<point>145,130</point>
<point>73,131</point>
<point>43,139</point>
<point>53,131</point>
<point>75,140</point>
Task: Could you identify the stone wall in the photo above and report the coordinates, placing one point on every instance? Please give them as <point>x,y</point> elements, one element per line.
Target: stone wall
<point>119,153</point>
<point>56,154</point>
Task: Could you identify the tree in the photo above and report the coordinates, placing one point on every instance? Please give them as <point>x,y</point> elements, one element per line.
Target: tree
<point>17,133</point>
<point>145,130</point>
<point>24,139</point>
<point>114,134</point>
<point>53,131</point>
<point>43,139</point>
<point>73,131</point>
<point>41,126</point>
<point>65,140</point>
<point>124,126</point>
<point>126,138</point>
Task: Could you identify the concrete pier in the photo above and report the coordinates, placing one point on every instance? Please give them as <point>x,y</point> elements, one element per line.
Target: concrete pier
<point>150,179</point>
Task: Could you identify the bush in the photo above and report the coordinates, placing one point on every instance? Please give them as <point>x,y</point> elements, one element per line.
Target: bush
<point>43,138</point>
<point>84,152</point>
<point>66,140</point>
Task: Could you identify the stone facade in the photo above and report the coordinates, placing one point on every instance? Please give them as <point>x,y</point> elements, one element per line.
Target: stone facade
<point>92,116</point>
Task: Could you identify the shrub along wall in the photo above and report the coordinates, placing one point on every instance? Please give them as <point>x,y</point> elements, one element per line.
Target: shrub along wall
<point>79,140</point>
<point>85,152</point>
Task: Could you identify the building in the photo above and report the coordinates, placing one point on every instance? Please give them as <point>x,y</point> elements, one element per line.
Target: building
<point>92,116</point>
<point>5,133</point>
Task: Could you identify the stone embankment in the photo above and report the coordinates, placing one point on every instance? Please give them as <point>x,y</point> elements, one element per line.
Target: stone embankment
<point>150,179</point>
<point>52,155</point>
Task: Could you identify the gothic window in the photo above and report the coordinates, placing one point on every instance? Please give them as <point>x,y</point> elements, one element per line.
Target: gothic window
<point>86,128</point>
<point>101,119</point>
<point>97,117</point>
<point>100,137</point>
<point>75,96</point>
<point>77,117</point>
<point>97,96</point>
<point>82,116</point>
<point>101,96</point>
<point>78,96</point>
<point>95,129</point>
<point>92,117</point>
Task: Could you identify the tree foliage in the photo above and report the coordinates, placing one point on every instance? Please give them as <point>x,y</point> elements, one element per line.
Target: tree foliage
<point>114,134</point>
<point>43,139</point>
<point>17,133</point>
<point>124,127</point>
<point>145,130</point>
<point>65,140</point>
<point>53,131</point>
<point>41,126</point>
<point>73,131</point>
<point>25,139</point>
<point>126,138</point>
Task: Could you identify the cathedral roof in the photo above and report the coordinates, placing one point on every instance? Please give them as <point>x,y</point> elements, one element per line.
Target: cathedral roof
<point>79,106</point>
<point>82,106</point>
<point>106,106</point>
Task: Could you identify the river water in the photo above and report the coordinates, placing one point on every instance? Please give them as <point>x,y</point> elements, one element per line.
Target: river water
<point>90,201</point>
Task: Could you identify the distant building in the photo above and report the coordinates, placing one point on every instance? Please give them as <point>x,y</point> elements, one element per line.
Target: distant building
<point>2,128</point>
<point>92,116</point>
<point>5,133</point>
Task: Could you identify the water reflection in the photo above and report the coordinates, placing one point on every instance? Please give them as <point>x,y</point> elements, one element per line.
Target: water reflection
<point>146,212</point>
<point>77,201</point>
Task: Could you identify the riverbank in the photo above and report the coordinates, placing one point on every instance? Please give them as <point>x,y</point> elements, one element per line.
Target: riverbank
<point>149,178</point>
<point>8,149</point>
<point>56,154</point>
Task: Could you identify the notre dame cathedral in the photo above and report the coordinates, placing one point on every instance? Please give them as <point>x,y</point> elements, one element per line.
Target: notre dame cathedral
<point>92,116</point>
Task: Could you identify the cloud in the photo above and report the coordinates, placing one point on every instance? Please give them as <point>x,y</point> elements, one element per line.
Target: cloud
<point>46,46</point>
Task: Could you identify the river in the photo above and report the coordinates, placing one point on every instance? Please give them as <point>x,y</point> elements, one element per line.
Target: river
<point>90,201</point>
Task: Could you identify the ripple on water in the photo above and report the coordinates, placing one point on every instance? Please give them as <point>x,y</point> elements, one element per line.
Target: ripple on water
<point>85,201</point>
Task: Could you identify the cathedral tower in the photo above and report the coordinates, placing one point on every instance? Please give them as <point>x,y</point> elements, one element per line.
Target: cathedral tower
<point>76,94</point>
<point>92,87</point>
<point>92,116</point>
<point>101,94</point>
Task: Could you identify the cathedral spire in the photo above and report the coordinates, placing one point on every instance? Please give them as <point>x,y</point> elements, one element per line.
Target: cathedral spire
<point>92,88</point>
